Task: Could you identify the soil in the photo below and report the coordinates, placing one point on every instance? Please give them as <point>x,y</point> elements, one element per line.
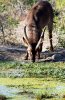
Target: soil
<point>18,53</point>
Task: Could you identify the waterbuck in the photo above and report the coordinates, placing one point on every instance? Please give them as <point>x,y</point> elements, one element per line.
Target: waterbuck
<point>39,16</point>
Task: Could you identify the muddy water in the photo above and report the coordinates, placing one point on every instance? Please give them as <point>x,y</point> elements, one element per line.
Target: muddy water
<point>32,89</point>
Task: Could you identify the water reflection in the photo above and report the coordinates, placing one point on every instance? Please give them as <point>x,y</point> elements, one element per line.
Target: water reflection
<point>8,91</point>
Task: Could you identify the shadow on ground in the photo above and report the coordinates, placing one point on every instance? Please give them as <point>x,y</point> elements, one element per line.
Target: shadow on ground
<point>18,53</point>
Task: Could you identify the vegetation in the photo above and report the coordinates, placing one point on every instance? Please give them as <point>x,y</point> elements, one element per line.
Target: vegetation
<point>36,70</point>
<point>60,20</point>
<point>33,89</point>
<point>34,81</point>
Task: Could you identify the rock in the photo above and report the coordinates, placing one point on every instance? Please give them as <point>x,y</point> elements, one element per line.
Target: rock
<point>1,57</point>
<point>63,54</point>
<point>57,57</point>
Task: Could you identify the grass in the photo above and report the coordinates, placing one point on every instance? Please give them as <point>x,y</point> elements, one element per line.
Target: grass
<point>60,4</point>
<point>33,81</point>
<point>30,70</point>
<point>34,88</point>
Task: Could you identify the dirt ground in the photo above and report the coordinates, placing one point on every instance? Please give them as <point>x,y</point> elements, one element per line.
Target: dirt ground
<point>17,53</point>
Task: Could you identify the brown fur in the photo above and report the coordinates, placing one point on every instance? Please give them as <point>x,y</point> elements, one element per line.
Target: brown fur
<point>40,15</point>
